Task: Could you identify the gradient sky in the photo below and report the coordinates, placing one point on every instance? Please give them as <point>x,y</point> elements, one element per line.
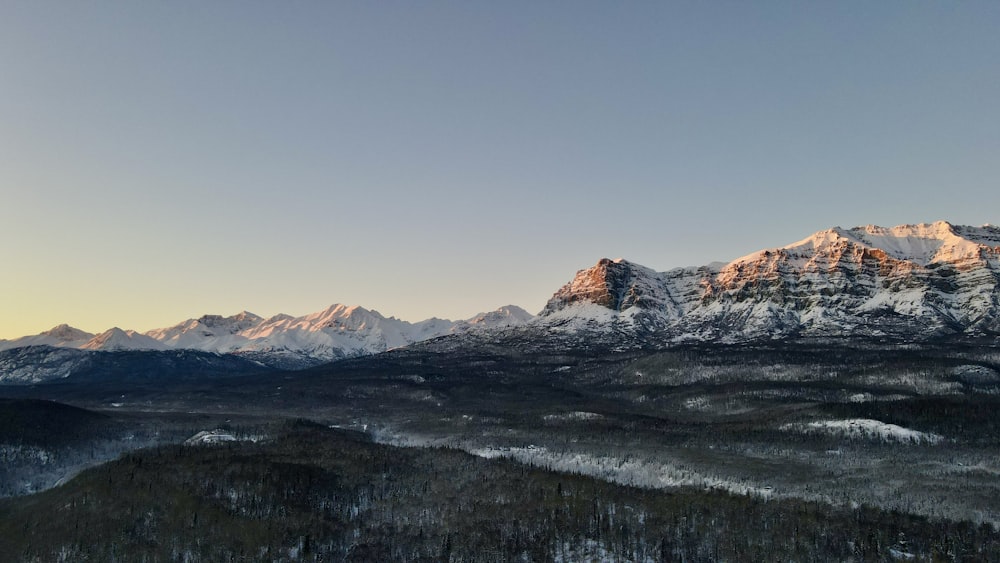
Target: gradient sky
<point>162,160</point>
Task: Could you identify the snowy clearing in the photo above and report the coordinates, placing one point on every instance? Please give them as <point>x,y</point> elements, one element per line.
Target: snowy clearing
<point>218,436</point>
<point>865,428</point>
<point>632,472</point>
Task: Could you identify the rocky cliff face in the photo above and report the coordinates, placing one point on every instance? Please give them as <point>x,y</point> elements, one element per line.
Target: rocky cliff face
<point>911,281</point>
<point>617,285</point>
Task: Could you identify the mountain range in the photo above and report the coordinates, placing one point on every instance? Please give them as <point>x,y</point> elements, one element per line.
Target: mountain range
<point>335,332</point>
<point>910,282</point>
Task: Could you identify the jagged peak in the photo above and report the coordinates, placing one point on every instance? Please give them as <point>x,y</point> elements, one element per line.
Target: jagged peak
<point>822,238</point>
<point>507,313</point>
<point>247,316</point>
<point>616,264</point>
<point>341,315</point>
<point>116,338</point>
<point>615,284</point>
<point>513,310</point>
<point>214,320</point>
<point>920,243</point>
<point>937,229</point>
<point>341,310</point>
<point>987,235</point>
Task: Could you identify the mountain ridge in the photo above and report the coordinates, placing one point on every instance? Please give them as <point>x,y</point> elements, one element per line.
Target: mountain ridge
<point>910,281</point>
<point>335,332</point>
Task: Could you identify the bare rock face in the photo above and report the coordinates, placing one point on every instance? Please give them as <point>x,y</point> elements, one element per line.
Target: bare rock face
<point>911,280</point>
<point>602,284</point>
<point>615,284</point>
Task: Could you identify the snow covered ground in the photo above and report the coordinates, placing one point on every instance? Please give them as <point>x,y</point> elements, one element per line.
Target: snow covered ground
<point>865,429</point>
<point>633,472</point>
<point>218,436</point>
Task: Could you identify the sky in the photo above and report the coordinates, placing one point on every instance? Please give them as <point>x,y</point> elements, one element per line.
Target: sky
<point>163,160</point>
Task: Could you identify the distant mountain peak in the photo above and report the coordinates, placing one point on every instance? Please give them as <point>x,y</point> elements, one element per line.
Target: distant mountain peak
<point>337,331</point>
<point>66,333</point>
<point>243,319</point>
<point>116,339</point>
<point>508,315</point>
<point>62,336</point>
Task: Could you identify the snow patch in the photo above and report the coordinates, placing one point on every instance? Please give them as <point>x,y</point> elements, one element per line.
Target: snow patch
<point>631,472</point>
<point>865,428</point>
<point>571,416</point>
<point>218,436</point>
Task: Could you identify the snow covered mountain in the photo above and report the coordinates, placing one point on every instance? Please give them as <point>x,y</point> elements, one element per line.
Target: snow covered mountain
<point>910,281</point>
<point>335,332</point>
<point>209,332</point>
<point>62,335</point>
<point>284,341</point>
<point>116,340</point>
<point>505,317</point>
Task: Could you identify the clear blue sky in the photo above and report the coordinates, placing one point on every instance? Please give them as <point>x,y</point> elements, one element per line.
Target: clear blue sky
<point>161,160</point>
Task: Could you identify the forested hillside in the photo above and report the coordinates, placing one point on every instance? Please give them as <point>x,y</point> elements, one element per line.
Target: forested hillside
<point>316,494</point>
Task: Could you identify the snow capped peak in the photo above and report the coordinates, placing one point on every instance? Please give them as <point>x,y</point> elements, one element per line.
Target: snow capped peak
<point>339,311</point>
<point>503,317</point>
<point>512,312</point>
<point>213,333</point>
<point>925,243</point>
<point>62,335</point>
<point>937,229</point>
<point>243,319</point>
<point>921,244</point>
<point>66,333</point>
<point>823,237</point>
<point>918,279</point>
<point>334,332</point>
<point>116,339</point>
<point>342,317</point>
<point>816,241</point>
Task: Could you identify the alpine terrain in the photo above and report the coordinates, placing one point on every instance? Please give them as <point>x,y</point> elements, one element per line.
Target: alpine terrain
<point>281,341</point>
<point>906,282</point>
<point>834,399</point>
<point>910,282</point>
